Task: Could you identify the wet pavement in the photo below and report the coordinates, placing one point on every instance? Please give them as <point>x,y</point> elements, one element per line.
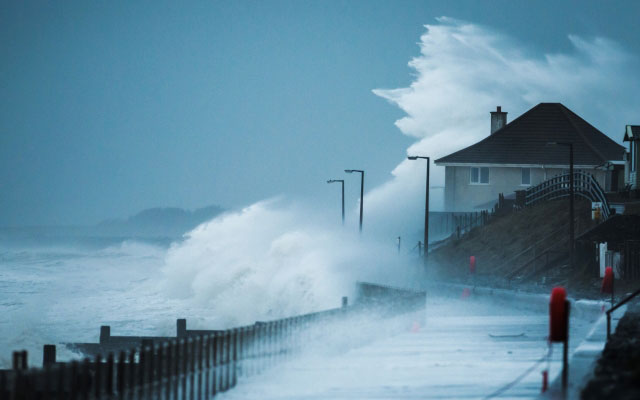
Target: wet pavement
<point>466,350</point>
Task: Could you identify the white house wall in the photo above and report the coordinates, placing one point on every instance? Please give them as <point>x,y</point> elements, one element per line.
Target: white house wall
<point>462,195</point>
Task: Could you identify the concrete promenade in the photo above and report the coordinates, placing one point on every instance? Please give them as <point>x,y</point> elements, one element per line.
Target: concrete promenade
<point>468,349</point>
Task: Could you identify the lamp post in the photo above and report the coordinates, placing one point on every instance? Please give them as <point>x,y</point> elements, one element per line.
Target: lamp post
<point>349,171</point>
<point>571,190</point>
<point>426,210</point>
<point>342,182</point>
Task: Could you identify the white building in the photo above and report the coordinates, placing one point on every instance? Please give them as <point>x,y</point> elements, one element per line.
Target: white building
<point>520,154</point>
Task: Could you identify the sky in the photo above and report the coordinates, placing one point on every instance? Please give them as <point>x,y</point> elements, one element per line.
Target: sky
<point>108,108</point>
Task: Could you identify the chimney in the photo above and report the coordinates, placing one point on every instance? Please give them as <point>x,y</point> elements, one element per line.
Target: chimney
<point>498,119</point>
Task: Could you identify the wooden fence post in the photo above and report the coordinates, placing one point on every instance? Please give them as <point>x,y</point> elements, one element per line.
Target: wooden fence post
<point>200,343</point>
<point>46,388</point>
<point>97,379</point>
<point>120,375</point>
<point>73,390</point>
<point>142,366</point>
<point>149,348</point>
<point>48,354</point>
<point>181,327</point>
<point>234,371</point>
<point>192,366</point>
<point>84,379</point>
<point>109,378</point>
<point>207,365</point>
<point>184,364</point>
<point>168,370</point>
<point>132,374</point>
<point>105,334</point>
<point>159,370</point>
<point>60,384</point>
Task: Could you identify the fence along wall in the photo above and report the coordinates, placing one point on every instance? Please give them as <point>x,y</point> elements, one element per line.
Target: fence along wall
<point>199,366</point>
<point>443,224</point>
<point>110,343</point>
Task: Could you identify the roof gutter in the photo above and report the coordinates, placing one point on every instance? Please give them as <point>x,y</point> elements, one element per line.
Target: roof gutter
<point>460,164</point>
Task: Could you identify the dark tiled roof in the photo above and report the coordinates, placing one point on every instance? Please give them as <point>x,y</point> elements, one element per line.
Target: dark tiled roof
<point>524,141</point>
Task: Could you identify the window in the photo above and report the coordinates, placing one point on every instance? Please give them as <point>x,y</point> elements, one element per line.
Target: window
<point>526,176</point>
<point>479,175</point>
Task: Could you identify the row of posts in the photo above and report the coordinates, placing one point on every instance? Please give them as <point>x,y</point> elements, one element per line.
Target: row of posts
<point>183,368</point>
<point>466,222</point>
<point>462,223</point>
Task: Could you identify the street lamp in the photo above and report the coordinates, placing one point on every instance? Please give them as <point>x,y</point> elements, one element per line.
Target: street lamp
<point>342,182</point>
<point>571,190</point>
<point>426,210</point>
<point>349,171</point>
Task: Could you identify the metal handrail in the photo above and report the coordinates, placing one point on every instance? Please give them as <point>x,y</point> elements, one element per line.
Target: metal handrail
<point>585,185</point>
<point>615,307</point>
<point>511,259</point>
<point>544,253</point>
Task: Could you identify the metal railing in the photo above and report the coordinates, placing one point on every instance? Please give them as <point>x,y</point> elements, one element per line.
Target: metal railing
<point>615,307</point>
<point>507,266</point>
<point>531,267</point>
<point>199,366</point>
<point>584,184</point>
<point>442,224</point>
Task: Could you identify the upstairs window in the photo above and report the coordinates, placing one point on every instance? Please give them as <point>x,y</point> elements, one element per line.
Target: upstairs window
<point>526,177</point>
<point>480,175</point>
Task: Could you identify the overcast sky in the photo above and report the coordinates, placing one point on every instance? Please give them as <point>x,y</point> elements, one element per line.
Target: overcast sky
<point>112,107</point>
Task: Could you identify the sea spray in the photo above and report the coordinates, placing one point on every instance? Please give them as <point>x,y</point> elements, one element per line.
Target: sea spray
<point>271,260</point>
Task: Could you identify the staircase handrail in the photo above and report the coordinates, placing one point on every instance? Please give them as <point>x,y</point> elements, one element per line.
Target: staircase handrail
<point>615,307</point>
<point>584,184</point>
<point>530,248</point>
<point>545,252</point>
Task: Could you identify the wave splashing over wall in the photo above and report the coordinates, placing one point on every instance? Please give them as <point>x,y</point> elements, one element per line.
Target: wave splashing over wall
<point>271,260</point>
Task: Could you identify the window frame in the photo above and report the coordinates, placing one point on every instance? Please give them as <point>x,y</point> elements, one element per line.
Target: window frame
<point>479,174</point>
<point>522,177</point>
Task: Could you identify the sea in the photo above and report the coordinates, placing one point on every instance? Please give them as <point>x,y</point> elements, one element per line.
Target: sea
<point>59,285</point>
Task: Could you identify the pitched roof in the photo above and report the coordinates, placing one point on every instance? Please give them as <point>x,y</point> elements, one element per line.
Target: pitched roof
<point>524,141</point>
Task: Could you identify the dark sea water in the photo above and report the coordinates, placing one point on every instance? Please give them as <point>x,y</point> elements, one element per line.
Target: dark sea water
<point>59,285</point>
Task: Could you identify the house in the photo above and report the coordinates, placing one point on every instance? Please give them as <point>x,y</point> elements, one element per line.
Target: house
<point>521,154</point>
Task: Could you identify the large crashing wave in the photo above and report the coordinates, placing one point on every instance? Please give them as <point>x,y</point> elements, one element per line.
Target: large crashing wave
<point>271,260</point>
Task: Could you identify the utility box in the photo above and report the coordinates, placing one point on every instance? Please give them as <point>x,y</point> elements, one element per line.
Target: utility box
<point>609,258</point>
<point>596,210</point>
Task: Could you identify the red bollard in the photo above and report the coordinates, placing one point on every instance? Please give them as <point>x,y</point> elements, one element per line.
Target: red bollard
<point>472,265</point>
<point>545,380</point>
<point>557,317</point>
<point>607,281</point>
<point>559,308</point>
